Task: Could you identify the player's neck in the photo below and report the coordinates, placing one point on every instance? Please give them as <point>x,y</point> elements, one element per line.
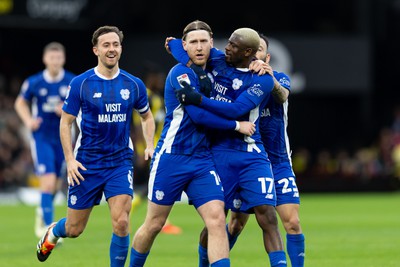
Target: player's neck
<point>107,72</point>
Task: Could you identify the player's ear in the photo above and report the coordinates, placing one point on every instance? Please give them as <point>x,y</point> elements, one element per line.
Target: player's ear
<point>184,43</point>
<point>212,42</point>
<point>95,51</point>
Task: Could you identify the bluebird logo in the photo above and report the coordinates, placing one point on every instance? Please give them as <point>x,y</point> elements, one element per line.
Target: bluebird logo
<point>159,195</point>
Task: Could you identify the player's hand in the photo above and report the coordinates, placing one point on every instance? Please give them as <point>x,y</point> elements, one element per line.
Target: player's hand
<point>58,109</point>
<point>247,128</point>
<point>148,153</point>
<point>205,82</point>
<point>73,174</point>
<point>166,44</point>
<point>34,124</point>
<point>187,95</point>
<point>260,67</point>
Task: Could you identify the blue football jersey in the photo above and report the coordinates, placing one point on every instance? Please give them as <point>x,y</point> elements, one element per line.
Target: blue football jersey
<point>241,94</point>
<point>104,108</point>
<point>273,125</point>
<point>184,129</point>
<point>45,94</point>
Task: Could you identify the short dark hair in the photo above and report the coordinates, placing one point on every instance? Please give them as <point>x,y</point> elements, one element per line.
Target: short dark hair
<point>106,29</point>
<point>196,25</point>
<point>264,37</point>
<point>54,46</point>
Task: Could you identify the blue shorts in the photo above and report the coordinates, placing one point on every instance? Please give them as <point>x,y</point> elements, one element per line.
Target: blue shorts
<point>112,182</point>
<point>172,174</point>
<point>285,184</point>
<point>247,179</point>
<point>48,157</point>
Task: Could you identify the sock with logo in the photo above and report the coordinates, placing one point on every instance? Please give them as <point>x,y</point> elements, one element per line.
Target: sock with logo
<point>277,258</point>
<point>296,249</point>
<point>119,250</point>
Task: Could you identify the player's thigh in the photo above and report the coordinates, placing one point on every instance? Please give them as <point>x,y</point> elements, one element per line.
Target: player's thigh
<point>212,212</point>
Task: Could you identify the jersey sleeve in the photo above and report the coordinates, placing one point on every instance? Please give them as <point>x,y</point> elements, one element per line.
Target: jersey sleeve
<point>177,51</point>
<point>72,102</point>
<point>27,89</point>
<point>283,79</point>
<point>142,103</point>
<point>248,99</point>
<point>210,120</point>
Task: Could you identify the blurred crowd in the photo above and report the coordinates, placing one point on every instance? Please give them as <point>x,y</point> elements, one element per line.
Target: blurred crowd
<point>380,160</point>
<point>16,165</point>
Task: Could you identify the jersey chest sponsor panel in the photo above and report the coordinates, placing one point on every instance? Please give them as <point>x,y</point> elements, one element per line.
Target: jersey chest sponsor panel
<point>104,114</point>
<point>45,96</point>
<point>228,85</point>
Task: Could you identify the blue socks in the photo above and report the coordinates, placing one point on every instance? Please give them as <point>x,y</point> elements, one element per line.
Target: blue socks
<point>137,259</point>
<point>277,259</point>
<point>296,249</point>
<point>222,263</point>
<point>118,250</point>
<point>46,204</point>
<point>203,257</point>
<point>59,229</point>
<point>232,239</point>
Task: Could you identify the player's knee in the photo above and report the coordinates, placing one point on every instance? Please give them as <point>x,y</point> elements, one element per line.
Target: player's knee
<point>216,221</point>
<point>121,226</point>
<point>292,225</point>
<point>74,232</point>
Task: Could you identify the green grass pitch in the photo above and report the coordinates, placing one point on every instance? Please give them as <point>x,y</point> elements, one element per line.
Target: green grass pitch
<point>354,230</point>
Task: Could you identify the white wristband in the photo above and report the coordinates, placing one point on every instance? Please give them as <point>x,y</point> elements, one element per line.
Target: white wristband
<point>237,128</point>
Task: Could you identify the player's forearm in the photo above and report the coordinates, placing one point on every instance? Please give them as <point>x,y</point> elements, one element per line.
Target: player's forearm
<point>228,110</point>
<point>66,139</point>
<point>279,93</point>
<point>208,119</point>
<point>23,111</point>
<point>148,127</point>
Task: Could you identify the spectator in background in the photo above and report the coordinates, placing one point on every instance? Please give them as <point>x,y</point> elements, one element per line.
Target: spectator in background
<point>154,79</point>
<point>39,107</point>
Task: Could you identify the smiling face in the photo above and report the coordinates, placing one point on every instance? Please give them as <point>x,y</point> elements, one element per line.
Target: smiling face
<point>108,50</point>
